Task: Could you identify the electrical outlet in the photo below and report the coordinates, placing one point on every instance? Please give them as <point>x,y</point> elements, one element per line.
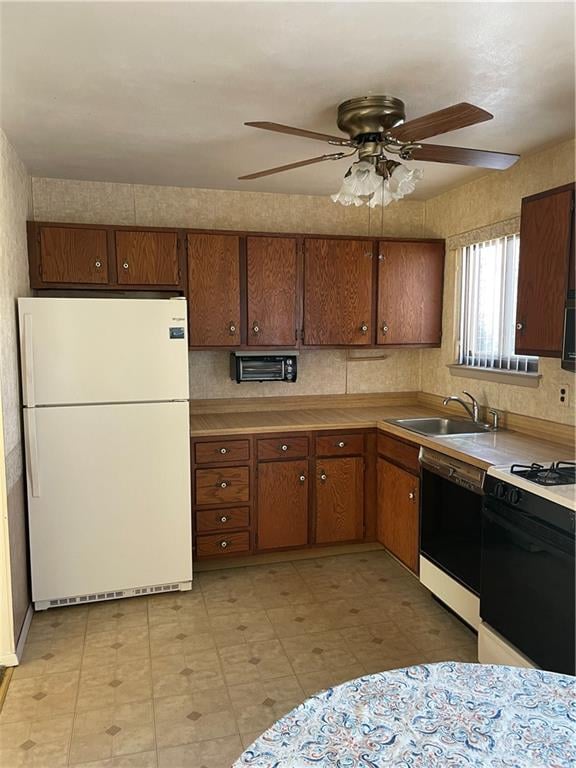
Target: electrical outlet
<point>564,395</point>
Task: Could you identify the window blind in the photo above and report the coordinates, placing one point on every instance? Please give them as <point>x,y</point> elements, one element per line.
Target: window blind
<point>488,304</point>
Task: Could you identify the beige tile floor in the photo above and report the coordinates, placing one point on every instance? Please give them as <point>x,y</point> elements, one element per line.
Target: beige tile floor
<point>187,680</point>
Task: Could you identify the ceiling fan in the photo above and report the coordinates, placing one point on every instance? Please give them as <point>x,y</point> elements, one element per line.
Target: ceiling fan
<point>376,128</point>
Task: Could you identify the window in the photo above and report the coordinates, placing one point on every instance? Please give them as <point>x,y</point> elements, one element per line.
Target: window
<point>488,308</point>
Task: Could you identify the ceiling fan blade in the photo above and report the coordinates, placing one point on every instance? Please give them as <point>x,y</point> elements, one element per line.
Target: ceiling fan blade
<point>443,121</point>
<point>290,166</point>
<point>436,153</point>
<point>279,128</point>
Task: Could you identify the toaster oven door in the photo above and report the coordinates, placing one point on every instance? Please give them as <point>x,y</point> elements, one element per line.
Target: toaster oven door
<point>259,369</point>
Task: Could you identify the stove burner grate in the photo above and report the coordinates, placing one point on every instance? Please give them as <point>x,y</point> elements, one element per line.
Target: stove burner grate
<point>558,473</point>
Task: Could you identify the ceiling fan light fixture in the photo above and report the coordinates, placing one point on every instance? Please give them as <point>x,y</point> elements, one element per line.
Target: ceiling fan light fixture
<point>361,180</point>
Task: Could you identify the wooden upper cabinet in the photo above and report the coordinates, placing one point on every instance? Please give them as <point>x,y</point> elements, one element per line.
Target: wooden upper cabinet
<point>147,258</point>
<point>71,255</point>
<point>397,513</point>
<point>339,500</point>
<point>410,284</point>
<point>271,291</point>
<point>545,255</point>
<point>282,504</point>
<point>337,292</point>
<point>214,290</point>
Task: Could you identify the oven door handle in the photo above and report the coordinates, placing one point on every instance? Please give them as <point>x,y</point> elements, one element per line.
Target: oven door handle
<point>537,538</point>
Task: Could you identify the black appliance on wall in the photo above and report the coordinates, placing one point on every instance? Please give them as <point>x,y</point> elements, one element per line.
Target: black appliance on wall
<point>569,344</point>
<point>255,366</point>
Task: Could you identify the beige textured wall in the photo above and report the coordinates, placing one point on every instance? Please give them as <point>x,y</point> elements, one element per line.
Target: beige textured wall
<point>15,208</point>
<point>320,372</point>
<point>491,199</point>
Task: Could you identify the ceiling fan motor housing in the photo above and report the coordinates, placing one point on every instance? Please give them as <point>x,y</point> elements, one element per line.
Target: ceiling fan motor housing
<point>370,115</point>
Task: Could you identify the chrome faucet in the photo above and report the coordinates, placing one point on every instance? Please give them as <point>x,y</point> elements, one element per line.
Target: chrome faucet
<point>472,410</point>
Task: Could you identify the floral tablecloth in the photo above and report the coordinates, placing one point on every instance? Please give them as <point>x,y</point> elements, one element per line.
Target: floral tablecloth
<point>447,715</point>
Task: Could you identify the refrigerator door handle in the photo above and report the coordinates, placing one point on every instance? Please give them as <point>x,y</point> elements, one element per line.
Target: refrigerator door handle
<point>32,451</point>
<point>28,362</point>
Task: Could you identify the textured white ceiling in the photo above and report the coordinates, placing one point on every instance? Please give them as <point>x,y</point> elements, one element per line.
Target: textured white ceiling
<point>157,93</point>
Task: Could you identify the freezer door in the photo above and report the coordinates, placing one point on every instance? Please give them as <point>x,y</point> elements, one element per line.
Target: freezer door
<point>108,497</point>
<point>78,351</point>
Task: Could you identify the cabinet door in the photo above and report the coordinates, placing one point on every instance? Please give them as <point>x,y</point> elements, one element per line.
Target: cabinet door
<point>214,290</point>
<point>410,283</point>
<point>545,234</point>
<point>337,292</point>
<point>69,255</point>
<point>271,287</point>
<point>398,519</point>
<point>147,258</point>
<point>282,504</point>
<point>339,500</point>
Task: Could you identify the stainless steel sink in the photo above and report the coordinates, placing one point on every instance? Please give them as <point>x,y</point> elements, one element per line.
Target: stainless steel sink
<point>439,426</point>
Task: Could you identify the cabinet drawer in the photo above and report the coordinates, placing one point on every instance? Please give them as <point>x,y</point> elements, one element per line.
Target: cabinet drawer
<point>282,448</point>
<point>222,450</point>
<point>222,486</point>
<point>339,445</point>
<point>401,453</point>
<point>222,544</point>
<point>208,520</point>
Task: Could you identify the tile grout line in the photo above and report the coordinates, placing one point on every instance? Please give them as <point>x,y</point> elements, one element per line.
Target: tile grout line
<point>76,698</point>
<point>152,681</point>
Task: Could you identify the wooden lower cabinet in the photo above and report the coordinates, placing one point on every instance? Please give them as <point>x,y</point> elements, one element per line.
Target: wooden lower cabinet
<point>282,511</point>
<point>339,500</point>
<point>397,515</point>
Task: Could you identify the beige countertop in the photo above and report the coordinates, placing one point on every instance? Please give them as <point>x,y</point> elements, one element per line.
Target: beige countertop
<point>483,450</point>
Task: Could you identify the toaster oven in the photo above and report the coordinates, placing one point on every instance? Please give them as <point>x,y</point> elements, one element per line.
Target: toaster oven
<point>254,366</point>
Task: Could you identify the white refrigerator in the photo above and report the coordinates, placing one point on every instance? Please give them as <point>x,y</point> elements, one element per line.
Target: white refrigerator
<point>107,438</point>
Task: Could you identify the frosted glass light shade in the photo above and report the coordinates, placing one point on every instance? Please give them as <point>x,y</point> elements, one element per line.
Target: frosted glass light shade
<point>360,181</point>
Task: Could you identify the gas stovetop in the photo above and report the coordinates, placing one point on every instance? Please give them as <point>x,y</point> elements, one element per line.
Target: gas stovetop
<point>555,482</point>
<point>557,473</point>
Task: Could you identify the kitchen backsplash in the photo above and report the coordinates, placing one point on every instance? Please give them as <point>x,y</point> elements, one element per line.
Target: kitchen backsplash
<point>320,372</point>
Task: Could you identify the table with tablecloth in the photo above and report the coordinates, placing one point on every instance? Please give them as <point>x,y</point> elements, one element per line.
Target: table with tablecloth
<point>446,715</point>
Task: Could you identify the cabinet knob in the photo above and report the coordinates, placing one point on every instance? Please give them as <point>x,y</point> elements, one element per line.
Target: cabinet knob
<point>224,484</point>
<point>364,328</point>
<point>412,495</point>
<point>302,478</point>
<point>223,544</point>
<point>284,447</point>
<point>384,327</point>
<point>232,328</point>
<point>341,444</point>
<point>223,519</point>
<point>223,450</point>
<point>381,257</point>
<point>323,477</point>
<point>256,328</point>
<point>125,265</point>
<point>97,264</point>
<point>519,326</point>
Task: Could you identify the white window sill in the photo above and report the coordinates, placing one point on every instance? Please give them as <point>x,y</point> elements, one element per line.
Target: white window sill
<point>516,378</point>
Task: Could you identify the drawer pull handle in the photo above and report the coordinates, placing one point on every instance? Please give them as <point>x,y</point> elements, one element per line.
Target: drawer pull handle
<point>255,328</point>
<point>284,447</point>
<point>223,451</point>
<point>519,326</point>
<point>223,544</point>
<point>125,265</point>
<point>302,478</point>
<point>232,328</point>
<point>341,444</point>
<point>97,264</point>
<point>385,328</point>
<point>323,477</point>
<point>223,519</point>
<point>364,328</point>
<point>224,484</point>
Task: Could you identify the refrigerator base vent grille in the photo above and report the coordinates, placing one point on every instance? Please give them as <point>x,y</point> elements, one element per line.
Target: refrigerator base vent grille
<point>99,596</point>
